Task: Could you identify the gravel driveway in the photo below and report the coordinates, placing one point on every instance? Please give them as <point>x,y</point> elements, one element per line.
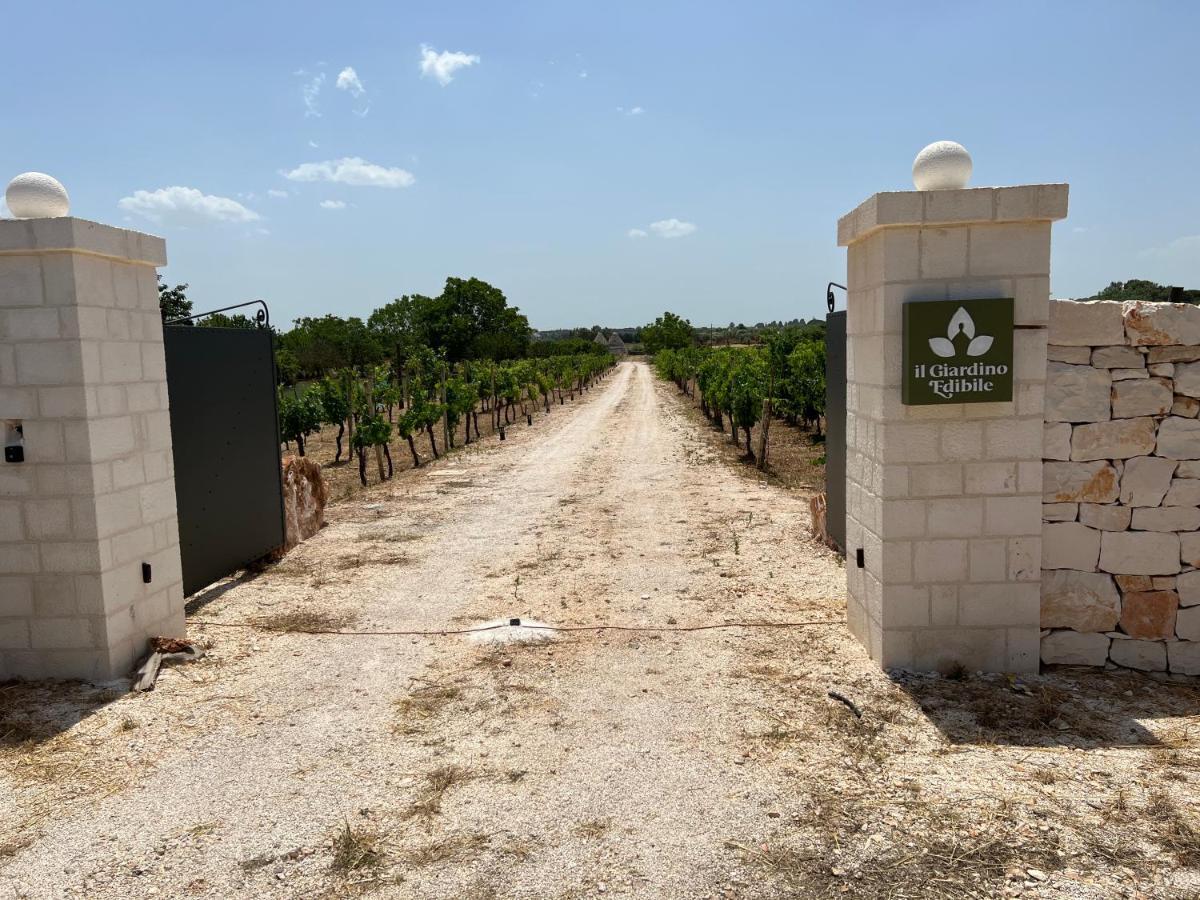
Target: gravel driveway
<point>640,763</point>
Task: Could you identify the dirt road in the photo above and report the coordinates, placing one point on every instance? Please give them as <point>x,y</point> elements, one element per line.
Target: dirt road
<point>638,763</point>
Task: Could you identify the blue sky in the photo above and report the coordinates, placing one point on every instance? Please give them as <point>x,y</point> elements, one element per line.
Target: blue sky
<point>529,140</point>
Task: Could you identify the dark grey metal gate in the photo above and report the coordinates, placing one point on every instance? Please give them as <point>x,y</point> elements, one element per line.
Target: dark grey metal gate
<point>225,433</point>
<point>835,427</point>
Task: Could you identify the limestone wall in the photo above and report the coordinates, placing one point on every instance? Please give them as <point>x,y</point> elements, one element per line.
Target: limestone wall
<point>1121,513</point>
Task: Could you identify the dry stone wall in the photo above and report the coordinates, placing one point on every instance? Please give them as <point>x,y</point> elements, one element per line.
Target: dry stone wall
<point>1121,492</point>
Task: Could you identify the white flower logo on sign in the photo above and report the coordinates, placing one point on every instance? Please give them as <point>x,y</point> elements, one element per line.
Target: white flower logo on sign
<point>961,323</point>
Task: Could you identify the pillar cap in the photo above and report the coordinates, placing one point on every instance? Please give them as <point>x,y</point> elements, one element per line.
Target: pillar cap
<point>36,195</point>
<point>69,234</point>
<point>890,209</point>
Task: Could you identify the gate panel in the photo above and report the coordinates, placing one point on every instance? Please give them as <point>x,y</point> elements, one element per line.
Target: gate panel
<point>221,383</point>
<point>835,427</point>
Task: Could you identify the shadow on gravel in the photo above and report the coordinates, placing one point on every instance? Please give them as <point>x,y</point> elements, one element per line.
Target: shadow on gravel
<point>33,713</point>
<point>1064,708</point>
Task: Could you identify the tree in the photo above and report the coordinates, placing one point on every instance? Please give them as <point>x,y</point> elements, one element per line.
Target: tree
<point>669,332</point>
<point>471,319</point>
<point>173,302</point>
<point>397,328</point>
<point>325,344</point>
<point>221,320</point>
<point>1139,289</point>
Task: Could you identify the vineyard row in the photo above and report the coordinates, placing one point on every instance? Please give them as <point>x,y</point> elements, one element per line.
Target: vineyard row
<point>427,394</point>
<point>747,386</point>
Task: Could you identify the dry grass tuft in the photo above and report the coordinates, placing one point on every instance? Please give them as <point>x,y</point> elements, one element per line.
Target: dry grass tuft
<point>11,848</point>
<point>1175,833</point>
<point>429,801</point>
<point>386,535</point>
<point>973,708</point>
<point>305,620</point>
<point>941,852</point>
<point>453,847</point>
<point>357,848</point>
<point>423,704</point>
<point>593,828</point>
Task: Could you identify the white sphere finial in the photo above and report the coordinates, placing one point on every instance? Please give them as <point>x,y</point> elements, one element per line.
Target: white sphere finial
<point>35,195</point>
<point>942,166</point>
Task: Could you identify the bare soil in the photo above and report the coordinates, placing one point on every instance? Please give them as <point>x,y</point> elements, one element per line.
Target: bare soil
<point>644,763</point>
<point>795,455</point>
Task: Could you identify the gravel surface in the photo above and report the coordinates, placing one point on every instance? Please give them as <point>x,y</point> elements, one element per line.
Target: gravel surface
<point>640,763</point>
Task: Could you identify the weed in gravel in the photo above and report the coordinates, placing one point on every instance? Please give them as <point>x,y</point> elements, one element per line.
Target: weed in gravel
<point>593,828</point>
<point>1113,846</point>
<point>1175,833</point>
<point>1117,807</point>
<point>940,851</point>
<point>859,737</point>
<point>385,557</point>
<point>423,704</point>
<point>962,709</point>
<point>429,801</point>
<point>956,671</point>
<point>385,535</point>
<point>302,620</point>
<point>11,848</point>
<point>453,847</point>
<point>356,848</point>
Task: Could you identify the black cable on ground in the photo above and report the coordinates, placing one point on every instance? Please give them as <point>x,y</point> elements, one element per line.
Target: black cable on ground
<point>444,632</point>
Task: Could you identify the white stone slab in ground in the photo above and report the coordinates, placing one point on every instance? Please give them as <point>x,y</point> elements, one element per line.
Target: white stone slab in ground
<point>500,631</point>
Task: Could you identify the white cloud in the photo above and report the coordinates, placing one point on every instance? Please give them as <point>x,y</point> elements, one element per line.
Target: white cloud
<point>1187,246</point>
<point>672,228</point>
<point>442,66</point>
<point>277,194</point>
<point>351,170</point>
<point>4,212</point>
<point>636,233</point>
<point>310,92</point>
<point>333,204</point>
<point>313,144</point>
<point>583,74</point>
<point>185,205</point>
<point>633,111</point>
<point>348,80</point>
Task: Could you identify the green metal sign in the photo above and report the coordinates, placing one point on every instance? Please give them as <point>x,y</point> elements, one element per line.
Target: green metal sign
<point>957,351</point>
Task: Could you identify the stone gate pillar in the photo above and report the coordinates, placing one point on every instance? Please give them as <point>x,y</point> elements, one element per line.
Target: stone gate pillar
<point>944,473</point>
<point>89,541</point>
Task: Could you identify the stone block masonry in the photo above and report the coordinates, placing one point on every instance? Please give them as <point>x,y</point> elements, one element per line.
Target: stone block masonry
<point>1121,487</point>
<point>82,374</point>
<point>945,501</point>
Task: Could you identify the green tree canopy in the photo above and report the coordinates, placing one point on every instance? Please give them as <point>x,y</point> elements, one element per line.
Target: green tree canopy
<point>470,319</point>
<point>1140,289</point>
<point>325,344</point>
<point>172,301</point>
<point>669,332</point>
